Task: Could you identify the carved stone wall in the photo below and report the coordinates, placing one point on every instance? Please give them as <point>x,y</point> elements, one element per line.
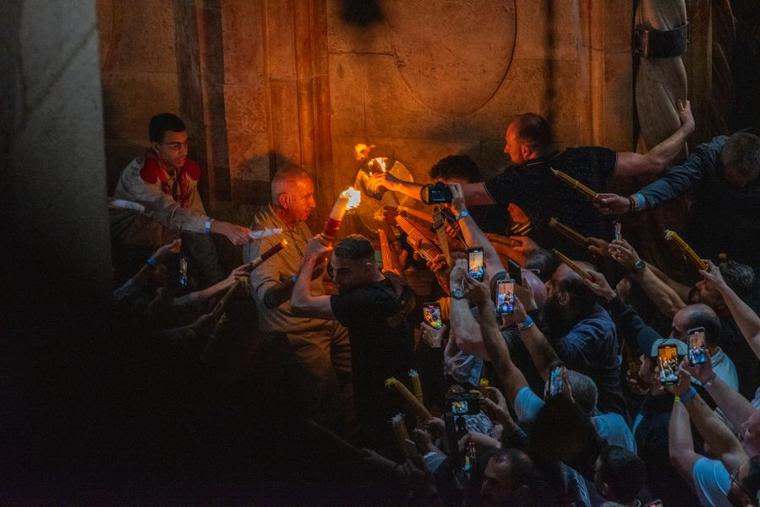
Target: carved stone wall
<point>296,80</point>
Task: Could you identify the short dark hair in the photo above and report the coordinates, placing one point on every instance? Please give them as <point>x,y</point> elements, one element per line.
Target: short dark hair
<point>522,471</point>
<point>160,123</point>
<point>739,277</point>
<point>542,260</point>
<point>742,153</point>
<point>582,297</point>
<point>355,247</point>
<point>456,166</point>
<point>533,130</point>
<point>623,471</point>
<point>701,315</point>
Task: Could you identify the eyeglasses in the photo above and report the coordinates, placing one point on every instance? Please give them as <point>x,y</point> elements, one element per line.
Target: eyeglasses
<point>176,146</point>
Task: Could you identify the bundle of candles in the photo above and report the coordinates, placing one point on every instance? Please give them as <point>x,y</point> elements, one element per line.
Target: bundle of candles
<point>416,213</point>
<point>414,403</point>
<point>572,265</point>
<point>348,199</point>
<point>686,249</point>
<point>389,258</point>
<point>576,185</point>
<point>405,444</point>
<point>417,240</point>
<point>568,232</point>
<point>258,261</point>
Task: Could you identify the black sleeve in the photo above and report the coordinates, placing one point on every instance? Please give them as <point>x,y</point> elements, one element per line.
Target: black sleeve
<point>502,188</point>
<point>350,308</point>
<point>603,161</point>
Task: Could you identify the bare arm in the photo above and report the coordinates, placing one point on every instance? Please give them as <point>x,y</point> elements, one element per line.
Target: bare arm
<point>512,379</point>
<point>681,443</point>
<point>747,320</point>
<point>716,434</point>
<point>735,406</point>
<point>473,235</point>
<point>630,164</point>
<point>303,302</point>
<point>538,346</point>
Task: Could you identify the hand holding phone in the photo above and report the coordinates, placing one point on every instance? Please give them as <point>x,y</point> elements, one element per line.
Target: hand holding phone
<point>667,360</point>
<point>556,382</point>
<point>505,297</point>
<point>476,266</point>
<point>697,348</point>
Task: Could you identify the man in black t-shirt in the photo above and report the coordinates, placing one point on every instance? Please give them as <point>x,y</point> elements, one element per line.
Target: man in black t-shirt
<point>374,307</point>
<point>530,184</point>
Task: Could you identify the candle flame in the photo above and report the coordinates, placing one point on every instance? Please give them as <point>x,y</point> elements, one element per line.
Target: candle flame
<point>361,151</point>
<point>354,197</point>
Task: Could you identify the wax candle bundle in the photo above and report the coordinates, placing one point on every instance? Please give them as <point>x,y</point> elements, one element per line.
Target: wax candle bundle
<point>691,255</point>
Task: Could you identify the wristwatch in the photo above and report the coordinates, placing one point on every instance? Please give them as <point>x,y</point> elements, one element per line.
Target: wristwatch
<point>639,266</point>
<point>457,293</point>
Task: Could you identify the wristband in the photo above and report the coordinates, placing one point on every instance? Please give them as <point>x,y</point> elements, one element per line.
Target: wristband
<point>688,395</point>
<point>462,214</point>
<point>526,324</point>
<point>207,225</point>
<point>638,202</point>
<point>709,381</point>
<point>152,261</point>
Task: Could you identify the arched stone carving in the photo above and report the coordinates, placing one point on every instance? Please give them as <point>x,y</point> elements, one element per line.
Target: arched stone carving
<point>452,55</point>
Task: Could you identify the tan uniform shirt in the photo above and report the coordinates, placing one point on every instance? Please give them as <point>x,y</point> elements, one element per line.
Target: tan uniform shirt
<point>278,269</point>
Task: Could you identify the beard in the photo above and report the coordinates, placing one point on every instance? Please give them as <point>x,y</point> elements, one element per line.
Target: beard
<point>556,319</point>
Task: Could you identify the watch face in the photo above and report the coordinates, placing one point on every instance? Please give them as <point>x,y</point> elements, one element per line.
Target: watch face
<point>458,293</point>
<point>639,266</point>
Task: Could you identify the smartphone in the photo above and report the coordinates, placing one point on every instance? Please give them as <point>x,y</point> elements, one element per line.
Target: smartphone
<point>667,359</point>
<point>460,407</point>
<point>618,234</point>
<point>439,193</point>
<point>476,264</point>
<point>183,280</point>
<point>556,382</point>
<point>431,313</point>
<point>515,271</point>
<point>505,297</point>
<point>697,349</point>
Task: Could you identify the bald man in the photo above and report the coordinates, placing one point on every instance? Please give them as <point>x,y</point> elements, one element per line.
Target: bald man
<point>318,355</point>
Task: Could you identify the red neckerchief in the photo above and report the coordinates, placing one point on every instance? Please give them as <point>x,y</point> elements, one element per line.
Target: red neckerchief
<point>179,184</point>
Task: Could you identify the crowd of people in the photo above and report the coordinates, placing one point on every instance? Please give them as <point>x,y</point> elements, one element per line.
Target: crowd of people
<point>561,369</point>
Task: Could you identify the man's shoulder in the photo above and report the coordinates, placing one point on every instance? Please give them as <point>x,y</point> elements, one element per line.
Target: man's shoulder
<point>598,320</point>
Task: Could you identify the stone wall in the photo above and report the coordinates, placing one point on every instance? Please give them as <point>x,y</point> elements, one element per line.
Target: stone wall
<point>298,81</point>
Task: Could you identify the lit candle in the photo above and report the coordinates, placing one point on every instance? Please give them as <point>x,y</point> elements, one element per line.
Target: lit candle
<point>348,199</point>
<point>686,249</point>
<point>418,408</point>
<point>402,435</point>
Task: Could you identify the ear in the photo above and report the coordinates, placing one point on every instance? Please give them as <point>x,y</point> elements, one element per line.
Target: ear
<point>283,200</point>
<point>525,151</point>
<point>563,297</point>
<point>154,146</point>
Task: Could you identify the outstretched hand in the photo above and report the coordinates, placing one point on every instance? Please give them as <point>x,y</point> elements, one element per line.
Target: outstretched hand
<point>685,114</point>
<point>613,204</point>
<point>713,276</point>
<point>599,285</point>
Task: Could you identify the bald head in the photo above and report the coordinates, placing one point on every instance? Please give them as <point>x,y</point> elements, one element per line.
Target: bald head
<point>694,316</point>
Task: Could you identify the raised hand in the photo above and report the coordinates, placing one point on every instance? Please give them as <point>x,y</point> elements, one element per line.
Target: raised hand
<point>599,285</point>
<point>685,115</point>
<point>624,253</point>
<point>613,204</point>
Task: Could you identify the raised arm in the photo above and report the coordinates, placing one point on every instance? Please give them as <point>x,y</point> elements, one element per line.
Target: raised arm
<point>631,164</point>
<point>539,348</point>
<point>475,193</point>
<point>303,302</point>
<point>512,379</point>
<point>715,433</point>
<point>681,443</point>
<point>473,235</point>
<point>747,320</point>
<point>665,298</point>
<point>464,328</point>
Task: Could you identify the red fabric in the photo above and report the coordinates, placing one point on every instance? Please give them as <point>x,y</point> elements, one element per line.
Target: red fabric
<point>154,171</point>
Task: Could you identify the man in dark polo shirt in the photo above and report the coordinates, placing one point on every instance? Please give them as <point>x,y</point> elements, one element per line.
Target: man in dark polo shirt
<point>374,307</point>
<point>530,184</point>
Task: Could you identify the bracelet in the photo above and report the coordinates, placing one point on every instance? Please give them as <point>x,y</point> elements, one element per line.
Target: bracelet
<point>462,214</point>
<point>526,324</point>
<point>207,225</point>
<point>631,204</point>
<point>688,395</point>
<point>710,380</point>
<point>152,261</point>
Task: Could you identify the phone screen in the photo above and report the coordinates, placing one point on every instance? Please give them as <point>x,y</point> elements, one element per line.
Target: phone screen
<point>431,312</point>
<point>183,280</point>
<point>697,348</point>
<point>556,383</point>
<point>476,265</point>
<point>667,359</point>
<point>618,234</point>
<point>505,297</point>
<point>460,407</point>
